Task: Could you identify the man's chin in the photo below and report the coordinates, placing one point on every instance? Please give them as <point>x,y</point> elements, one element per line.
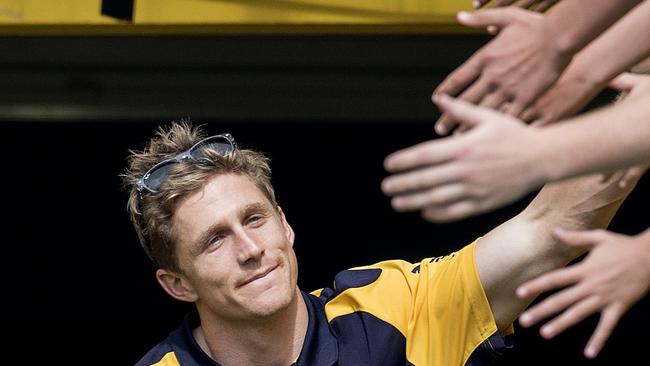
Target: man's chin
<point>270,302</point>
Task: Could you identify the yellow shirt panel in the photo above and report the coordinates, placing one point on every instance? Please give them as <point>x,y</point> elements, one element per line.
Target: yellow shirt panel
<point>439,306</point>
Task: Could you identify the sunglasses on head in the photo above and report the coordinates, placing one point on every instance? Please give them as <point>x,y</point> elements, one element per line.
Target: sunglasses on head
<point>223,144</point>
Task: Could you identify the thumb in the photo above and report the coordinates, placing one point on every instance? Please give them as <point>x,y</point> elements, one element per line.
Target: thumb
<point>583,239</point>
<point>500,17</point>
<point>466,114</point>
<point>624,82</point>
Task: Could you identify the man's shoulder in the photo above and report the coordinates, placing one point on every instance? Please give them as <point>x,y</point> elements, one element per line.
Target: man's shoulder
<point>160,355</point>
<point>174,349</point>
<point>360,277</point>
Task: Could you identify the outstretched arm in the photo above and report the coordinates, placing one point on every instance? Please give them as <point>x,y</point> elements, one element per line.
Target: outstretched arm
<point>524,247</point>
<point>501,158</point>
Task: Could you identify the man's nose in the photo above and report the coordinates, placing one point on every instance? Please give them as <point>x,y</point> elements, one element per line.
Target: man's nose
<point>249,248</point>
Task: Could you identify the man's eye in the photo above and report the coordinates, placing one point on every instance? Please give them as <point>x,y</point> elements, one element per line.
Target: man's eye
<point>255,219</point>
<point>217,239</point>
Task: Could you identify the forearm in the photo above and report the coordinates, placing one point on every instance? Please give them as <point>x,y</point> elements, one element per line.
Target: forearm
<point>580,21</point>
<point>603,140</point>
<point>523,248</point>
<point>615,51</point>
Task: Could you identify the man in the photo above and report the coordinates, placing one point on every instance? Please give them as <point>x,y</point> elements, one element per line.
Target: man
<point>206,214</point>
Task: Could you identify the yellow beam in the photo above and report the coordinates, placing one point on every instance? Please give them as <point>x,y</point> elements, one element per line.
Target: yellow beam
<point>47,17</point>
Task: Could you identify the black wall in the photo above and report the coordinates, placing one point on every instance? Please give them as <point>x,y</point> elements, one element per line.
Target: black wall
<point>326,109</point>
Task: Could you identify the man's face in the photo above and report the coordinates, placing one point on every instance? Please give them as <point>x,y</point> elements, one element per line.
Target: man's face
<point>235,249</point>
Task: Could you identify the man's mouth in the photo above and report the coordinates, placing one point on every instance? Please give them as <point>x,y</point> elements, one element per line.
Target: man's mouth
<point>258,275</point>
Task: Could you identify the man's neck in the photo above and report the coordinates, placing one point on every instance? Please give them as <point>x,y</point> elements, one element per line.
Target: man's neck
<point>274,341</point>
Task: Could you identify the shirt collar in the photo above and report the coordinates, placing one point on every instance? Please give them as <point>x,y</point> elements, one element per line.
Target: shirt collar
<point>320,347</point>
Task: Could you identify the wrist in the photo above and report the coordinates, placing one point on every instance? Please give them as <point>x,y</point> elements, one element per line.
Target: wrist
<point>566,41</point>
<point>587,72</point>
<point>547,146</point>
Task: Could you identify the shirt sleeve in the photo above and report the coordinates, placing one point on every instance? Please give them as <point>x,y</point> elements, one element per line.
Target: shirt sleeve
<point>438,304</point>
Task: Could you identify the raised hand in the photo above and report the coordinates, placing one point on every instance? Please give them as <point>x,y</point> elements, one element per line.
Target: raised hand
<point>613,277</point>
<point>508,73</point>
<point>572,92</point>
<point>463,175</point>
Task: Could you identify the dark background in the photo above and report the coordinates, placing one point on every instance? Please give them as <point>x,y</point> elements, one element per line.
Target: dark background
<point>326,109</point>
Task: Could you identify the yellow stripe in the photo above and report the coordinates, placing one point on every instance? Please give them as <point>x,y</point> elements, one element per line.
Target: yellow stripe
<point>388,298</point>
<point>317,292</point>
<point>168,360</point>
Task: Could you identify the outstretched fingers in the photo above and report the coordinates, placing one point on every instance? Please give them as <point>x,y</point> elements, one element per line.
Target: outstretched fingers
<point>586,239</point>
<point>460,112</point>
<point>570,317</point>
<point>453,212</point>
<point>500,17</point>
<point>427,153</point>
<point>550,281</point>
<point>608,320</point>
<point>420,179</point>
<point>441,196</point>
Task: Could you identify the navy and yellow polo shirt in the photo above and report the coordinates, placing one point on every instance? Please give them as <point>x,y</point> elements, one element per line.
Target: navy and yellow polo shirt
<point>434,313</point>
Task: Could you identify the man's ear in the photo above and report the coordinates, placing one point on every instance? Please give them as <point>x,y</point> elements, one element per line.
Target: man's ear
<point>287,228</point>
<point>176,285</point>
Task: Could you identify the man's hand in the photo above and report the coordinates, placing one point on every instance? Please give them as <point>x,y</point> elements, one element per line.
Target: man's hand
<point>572,92</point>
<point>631,86</point>
<point>614,276</point>
<point>534,5</point>
<point>563,99</point>
<point>513,69</point>
<point>448,179</point>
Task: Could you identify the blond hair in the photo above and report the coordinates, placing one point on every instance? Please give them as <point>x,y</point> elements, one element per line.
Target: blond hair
<point>151,213</point>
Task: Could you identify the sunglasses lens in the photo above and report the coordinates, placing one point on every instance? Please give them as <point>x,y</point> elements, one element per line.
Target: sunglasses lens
<point>156,176</point>
<point>219,144</point>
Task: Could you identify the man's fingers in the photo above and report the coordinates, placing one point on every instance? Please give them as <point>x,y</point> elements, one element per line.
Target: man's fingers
<point>570,317</point>
<point>525,4</point>
<point>439,197</point>
<point>472,95</point>
<point>466,114</point>
<point>515,108</point>
<point>420,179</point>
<point>494,100</point>
<point>531,114</point>
<point>552,280</point>
<point>423,154</point>
<point>460,78</point>
<point>543,6</point>
<point>585,239</point>
<point>608,320</point>
<point>624,82</point>
<point>631,175</point>
<point>456,211</point>
<point>500,17</point>
<point>477,4</point>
